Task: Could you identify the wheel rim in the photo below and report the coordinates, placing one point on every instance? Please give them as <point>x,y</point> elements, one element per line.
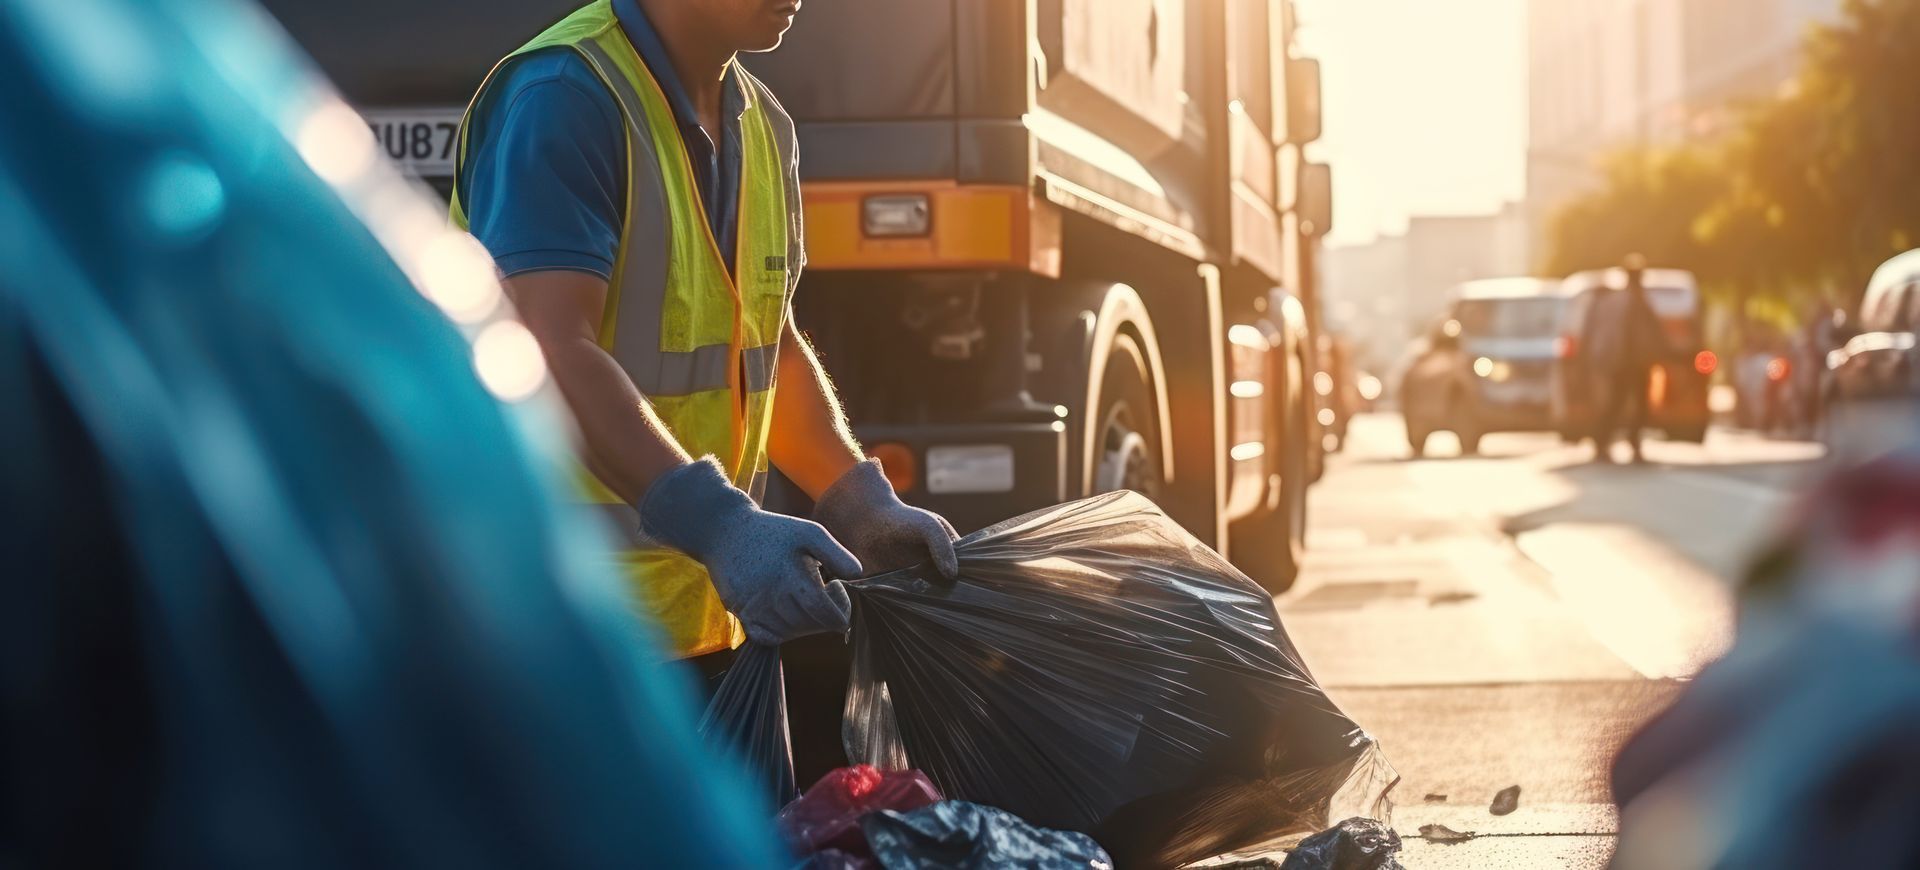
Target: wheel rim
<point>1126,460</point>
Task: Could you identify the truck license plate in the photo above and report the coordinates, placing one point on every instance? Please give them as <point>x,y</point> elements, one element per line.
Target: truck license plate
<point>421,142</point>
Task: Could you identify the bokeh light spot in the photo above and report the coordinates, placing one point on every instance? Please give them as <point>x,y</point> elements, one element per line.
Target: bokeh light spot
<point>456,273</point>
<point>335,141</point>
<point>508,360</point>
<point>183,196</point>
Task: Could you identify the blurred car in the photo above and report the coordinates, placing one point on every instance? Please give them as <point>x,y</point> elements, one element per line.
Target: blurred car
<point>1677,401</point>
<point>1762,381</point>
<point>1487,366</point>
<point>1881,359</point>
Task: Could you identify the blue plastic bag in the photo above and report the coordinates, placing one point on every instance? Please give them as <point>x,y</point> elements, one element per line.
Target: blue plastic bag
<point>956,835</point>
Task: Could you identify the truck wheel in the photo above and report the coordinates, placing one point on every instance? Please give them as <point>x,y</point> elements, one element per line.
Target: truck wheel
<point>1129,434</point>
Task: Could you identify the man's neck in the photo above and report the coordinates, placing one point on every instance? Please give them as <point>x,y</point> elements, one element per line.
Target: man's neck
<point>699,57</point>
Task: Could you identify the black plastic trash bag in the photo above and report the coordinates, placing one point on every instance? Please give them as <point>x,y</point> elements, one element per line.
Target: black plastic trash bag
<point>747,718</point>
<point>1355,844</point>
<point>956,835</point>
<point>1097,669</point>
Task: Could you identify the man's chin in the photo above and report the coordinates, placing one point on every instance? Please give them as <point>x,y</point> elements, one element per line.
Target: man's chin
<point>759,46</point>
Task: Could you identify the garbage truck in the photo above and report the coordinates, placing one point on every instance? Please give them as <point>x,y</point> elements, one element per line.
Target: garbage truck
<point>1054,247</point>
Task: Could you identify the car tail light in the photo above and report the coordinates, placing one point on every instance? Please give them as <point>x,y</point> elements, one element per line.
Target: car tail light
<point>1565,347</point>
<point>1705,362</point>
<point>1778,368</point>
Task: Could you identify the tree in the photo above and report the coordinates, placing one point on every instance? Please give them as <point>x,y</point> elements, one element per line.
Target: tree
<point>1813,189</point>
<point>1647,203</point>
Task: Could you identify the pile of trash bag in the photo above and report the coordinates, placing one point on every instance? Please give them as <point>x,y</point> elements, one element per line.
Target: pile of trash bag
<point>1355,844</point>
<point>1097,669</point>
<point>827,817</point>
<point>967,836</point>
<point>859,818</point>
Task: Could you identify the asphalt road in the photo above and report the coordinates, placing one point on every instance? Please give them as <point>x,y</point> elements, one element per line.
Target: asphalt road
<point>1508,619</point>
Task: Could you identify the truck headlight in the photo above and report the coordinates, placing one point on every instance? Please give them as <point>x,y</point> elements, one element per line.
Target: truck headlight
<point>896,215</point>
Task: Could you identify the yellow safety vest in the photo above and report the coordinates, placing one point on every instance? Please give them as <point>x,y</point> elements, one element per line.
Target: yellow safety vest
<point>699,343</point>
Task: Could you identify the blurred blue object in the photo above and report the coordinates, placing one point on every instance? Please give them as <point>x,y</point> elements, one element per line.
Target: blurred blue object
<point>1797,749</point>
<point>289,578</point>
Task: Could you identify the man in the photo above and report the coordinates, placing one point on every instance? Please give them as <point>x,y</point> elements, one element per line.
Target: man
<point>1625,341</point>
<point>638,190</point>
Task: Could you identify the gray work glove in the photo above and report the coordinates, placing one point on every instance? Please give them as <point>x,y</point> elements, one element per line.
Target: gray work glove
<point>862,510</point>
<point>765,566</point>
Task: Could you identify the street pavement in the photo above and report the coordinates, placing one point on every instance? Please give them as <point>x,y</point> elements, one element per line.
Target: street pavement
<point>1510,618</point>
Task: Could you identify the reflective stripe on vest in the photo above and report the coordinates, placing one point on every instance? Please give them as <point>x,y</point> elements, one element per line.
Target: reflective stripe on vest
<point>699,343</point>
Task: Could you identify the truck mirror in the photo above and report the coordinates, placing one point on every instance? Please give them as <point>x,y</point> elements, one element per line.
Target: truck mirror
<point>1316,199</point>
<point>1303,100</point>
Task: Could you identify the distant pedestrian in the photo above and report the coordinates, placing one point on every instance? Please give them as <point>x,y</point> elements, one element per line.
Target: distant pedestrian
<point>1625,341</point>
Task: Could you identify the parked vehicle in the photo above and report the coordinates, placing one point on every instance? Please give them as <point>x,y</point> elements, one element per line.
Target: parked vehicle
<point>1882,358</point>
<point>1764,399</point>
<point>1486,367</point>
<point>1089,234</point>
<point>1677,401</point>
<point>1336,390</point>
<point>1761,375</point>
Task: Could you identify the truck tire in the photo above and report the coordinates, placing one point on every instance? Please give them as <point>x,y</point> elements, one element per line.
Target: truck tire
<point>1127,442</point>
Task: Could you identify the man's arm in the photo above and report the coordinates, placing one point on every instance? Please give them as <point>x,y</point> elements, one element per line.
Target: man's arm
<point>754,558</point>
<point>813,447</point>
<point>626,446</point>
<point>810,442</point>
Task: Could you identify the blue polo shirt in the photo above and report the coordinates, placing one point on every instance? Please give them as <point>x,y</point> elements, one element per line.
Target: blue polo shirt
<point>545,178</point>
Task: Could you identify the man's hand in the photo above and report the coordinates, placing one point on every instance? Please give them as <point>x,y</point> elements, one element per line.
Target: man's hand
<point>765,566</point>
<point>862,509</point>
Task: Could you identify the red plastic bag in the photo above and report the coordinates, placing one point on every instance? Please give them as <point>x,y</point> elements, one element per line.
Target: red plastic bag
<point>828,815</point>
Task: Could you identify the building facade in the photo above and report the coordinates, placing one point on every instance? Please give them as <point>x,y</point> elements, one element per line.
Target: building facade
<point>1609,73</point>
<point>1383,293</point>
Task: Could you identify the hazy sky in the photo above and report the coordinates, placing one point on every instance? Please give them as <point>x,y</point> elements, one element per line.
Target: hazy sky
<point>1425,107</point>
